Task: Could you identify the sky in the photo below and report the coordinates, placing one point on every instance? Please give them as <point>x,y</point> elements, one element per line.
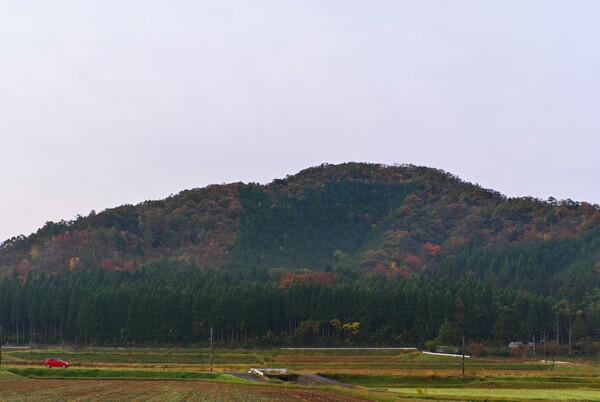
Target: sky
<point>104,103</point>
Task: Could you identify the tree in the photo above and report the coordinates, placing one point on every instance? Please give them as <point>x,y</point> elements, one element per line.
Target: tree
<point>308,330</point>
<point>448,334</point>
<point>505,327</point>
<point>337,325</point>
<point>351,329</point>
<point>564,312</point>
<point>579,329</point>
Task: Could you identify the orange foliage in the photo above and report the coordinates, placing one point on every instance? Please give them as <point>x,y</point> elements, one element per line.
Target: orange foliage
<point>412,199</point>
<point>312,277</point>
<point>62,239</point>
<point>413,260</point>
<point>401,272</point>
<point>432,249</point>
<point>107,265</point>
<point>23,268</point>
<point>128,265</point>
<point>380,268</point>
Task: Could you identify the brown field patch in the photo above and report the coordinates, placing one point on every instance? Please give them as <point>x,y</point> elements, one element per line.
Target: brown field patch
<point>334,359</point>
<point>127,390</point>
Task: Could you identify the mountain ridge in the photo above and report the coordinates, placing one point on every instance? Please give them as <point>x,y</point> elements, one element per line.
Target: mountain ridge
<point>403,254</point>
<point>400,220</point>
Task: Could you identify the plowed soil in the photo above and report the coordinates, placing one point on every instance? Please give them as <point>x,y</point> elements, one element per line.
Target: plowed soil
<point>127,390</point>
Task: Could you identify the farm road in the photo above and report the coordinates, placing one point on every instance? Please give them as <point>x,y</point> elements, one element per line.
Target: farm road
<point>303,379</point>
<point>315,379</point>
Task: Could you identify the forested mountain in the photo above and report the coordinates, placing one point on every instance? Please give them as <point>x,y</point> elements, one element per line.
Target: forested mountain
<point>408,252</point>
<point>402,220</point>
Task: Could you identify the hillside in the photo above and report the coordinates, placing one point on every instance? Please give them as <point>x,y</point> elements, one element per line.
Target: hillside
<point>401,220</point>
<point>336,254</point>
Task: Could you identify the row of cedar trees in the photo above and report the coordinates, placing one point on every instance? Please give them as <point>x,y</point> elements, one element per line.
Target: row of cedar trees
<point>171,303</point>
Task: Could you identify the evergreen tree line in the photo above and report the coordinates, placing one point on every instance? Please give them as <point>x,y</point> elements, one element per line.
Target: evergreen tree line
<point>171,303</point>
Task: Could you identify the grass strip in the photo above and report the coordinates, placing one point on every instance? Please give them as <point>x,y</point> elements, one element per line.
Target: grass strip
<point>389,381</point>
<point>6,376</point>
<point>498,394</point>
<point>139,357</point>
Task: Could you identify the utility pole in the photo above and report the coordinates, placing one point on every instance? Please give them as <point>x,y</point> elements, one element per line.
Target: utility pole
<point>1,345</point>
<point>463,357</point>
<point>211,349</point>
<point>598,341</point>
<point>544,342</point>
<point>534,344</point>
<point>570,343</point>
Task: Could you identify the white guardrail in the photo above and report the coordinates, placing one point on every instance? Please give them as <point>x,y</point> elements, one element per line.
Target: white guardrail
<point>445,354</point>
<point>263,371</point>
<point>348,348</point>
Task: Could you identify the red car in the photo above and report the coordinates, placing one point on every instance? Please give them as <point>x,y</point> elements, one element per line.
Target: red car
<point>53,362</point>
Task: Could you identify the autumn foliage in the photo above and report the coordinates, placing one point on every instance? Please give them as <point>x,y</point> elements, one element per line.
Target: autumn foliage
<point>312,277</point>
<point>401,220</point>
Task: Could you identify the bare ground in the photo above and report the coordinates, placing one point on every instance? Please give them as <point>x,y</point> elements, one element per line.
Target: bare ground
<point>130,390</point>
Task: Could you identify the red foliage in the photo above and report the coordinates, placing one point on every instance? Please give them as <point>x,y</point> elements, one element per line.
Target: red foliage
<point>413,260</point>
<point>107,265</point>
<point>412,199</point>
<point>401,272</point>
<point>380,268</point>
<point>128,265</point>
<point>62,239</point>
<point>23,268</point>
<point>312,277</point>
<point>432,249</point>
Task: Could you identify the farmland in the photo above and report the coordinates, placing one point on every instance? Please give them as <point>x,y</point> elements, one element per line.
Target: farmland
<point>155,391</point>
<point>370,374</point>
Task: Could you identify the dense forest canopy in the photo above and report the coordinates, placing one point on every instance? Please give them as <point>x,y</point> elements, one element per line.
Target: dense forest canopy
<point>336,253</point>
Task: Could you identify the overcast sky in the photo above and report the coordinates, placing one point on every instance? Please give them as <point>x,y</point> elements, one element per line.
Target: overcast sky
<point>109,102</point>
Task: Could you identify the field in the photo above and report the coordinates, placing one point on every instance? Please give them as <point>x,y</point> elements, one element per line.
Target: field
<point>372,374</point>
<point>144,390</point>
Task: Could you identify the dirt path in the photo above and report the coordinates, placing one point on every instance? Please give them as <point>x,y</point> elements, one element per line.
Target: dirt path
<point>315,379</point>
<point>303,379</point>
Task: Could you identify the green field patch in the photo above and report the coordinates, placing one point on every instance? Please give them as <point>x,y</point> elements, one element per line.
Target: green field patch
<point>391,352</point>
<point>440,381</point>
<point>499,394</point>
<point>426,358</point>
<point>6,376</point>
<point>140,356</point>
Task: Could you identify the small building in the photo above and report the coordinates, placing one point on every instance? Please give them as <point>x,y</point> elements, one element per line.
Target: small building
<point>446,349</point>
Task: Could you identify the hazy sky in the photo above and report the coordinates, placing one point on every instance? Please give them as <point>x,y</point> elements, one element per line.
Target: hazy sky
<point>110,102</point>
